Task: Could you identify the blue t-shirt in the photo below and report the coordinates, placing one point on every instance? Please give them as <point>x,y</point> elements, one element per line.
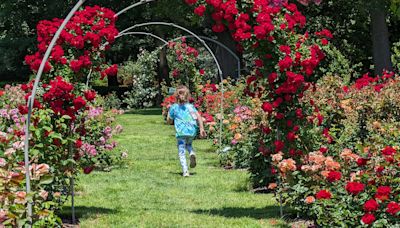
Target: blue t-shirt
<point>184,116</point>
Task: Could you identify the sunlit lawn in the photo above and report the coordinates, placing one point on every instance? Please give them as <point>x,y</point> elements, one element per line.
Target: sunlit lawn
<point>150,191</point>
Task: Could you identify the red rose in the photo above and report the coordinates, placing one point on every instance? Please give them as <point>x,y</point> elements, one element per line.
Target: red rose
<point>200,10</point>
<point>267,107</point>
<point>258,63</point>
<point>78,143</point>
<point>323,194</point>
<point>285,63</point>
<point>266,130</point>
<point>2,93</point>
<point>362,161</point>
<point>325,33</point>
<point>79,103</point>
<point>354,187</point>
<point>279,145</point>
<point>370,205</point>
<point>323,150</point>
<point>218,28</point>
<point>291,136</point>
<point>76,65</point>
<point>393,208</point>
<point>23,109</point>
<point>368,218</point>
<point>201,71</point>
<point>112,70</point>
<point>383,192</point>
<point>88,169</point>
<point>90,95</point>
<point>272,77</point>
<point>285,49</point>
<point>388,151</point>
<point>334,176</point>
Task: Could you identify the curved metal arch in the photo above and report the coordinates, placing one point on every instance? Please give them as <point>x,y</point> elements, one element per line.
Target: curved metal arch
<point>32,97</point>
<point>208,49</point>
<point>179,27</point>
<point>190,36</point>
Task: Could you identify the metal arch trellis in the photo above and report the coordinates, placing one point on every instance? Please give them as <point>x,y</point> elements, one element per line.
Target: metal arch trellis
<point>190,36</point>
<point>32,98</point>
<point>40,72</point>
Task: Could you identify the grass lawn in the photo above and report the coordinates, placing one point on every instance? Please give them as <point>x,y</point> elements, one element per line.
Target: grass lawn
<point>150,191</point>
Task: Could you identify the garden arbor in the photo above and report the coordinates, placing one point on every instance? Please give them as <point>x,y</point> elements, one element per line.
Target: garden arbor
<point>30,100</point>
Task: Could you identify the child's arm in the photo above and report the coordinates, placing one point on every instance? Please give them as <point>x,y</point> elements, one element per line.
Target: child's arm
<point>201,125</point>
<point>169,120</point>
<point>171,115</point>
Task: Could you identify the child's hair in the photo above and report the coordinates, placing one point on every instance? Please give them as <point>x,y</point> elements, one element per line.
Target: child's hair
<point>182,94</point>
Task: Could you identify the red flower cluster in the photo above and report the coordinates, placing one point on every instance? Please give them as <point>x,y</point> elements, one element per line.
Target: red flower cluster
<point>393,208</point>
<point>168,101</point>
<point>111,71</point>
<point>334,176</point>
<point>355,187</point>
<point>368,218</point>
<point>86,30</point>
<point>323,194</point>
<point>388,151</point>
<point>200,10</point>
<point>371,205</point>
<point>58,96</point>
<point>383,192</point>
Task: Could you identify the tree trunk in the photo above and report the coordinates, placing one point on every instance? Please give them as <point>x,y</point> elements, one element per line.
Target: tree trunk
<point>229,64</point>
<point>380,40</point>
<point>163,69</point>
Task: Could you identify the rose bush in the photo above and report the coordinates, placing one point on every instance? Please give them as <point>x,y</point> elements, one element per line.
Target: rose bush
<point>354,180</point>
<point>69,132</point>
<point>182,59</point>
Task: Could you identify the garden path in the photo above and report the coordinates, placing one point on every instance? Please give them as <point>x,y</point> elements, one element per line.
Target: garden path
<point>150,191</point>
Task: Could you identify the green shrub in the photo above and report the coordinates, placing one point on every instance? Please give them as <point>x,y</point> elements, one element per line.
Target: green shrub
<point>141,76</point>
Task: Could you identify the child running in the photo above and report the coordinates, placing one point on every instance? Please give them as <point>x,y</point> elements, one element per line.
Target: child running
<point>184,116</point>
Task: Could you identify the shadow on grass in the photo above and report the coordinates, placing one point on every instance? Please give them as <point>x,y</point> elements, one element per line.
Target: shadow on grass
<point>180,173</point>
<point>270,212</point>
<point>83,211</point>
<point>146,112</point>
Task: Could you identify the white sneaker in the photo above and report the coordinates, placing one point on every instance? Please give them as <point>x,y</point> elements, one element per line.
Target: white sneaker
<point>192,160</point>
<point>186,174</point>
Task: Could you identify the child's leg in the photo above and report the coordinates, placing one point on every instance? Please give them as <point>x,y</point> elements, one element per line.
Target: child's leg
<point>192,155</point>
<point>189,147</point>
<point>182,154</point>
